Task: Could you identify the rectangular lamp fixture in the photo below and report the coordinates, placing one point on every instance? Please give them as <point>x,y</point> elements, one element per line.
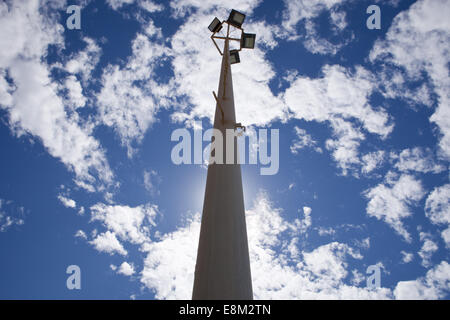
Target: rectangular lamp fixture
<point>234,57</point>
<point>215,25</point>
<point>236,18</point>
<point>248,40</point>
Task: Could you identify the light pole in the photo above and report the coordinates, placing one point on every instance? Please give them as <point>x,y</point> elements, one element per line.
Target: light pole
<point>222,270</point>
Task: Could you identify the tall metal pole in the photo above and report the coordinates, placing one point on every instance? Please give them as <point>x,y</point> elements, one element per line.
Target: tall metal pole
<point>223,265</point>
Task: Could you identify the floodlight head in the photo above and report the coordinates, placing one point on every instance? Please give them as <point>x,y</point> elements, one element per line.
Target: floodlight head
<point>215,25</point>
<point>236,18</point>
<point>234,56</point>
<point>248,40</point>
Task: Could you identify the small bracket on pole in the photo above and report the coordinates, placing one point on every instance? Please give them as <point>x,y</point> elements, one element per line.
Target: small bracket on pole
<point>240,126</point>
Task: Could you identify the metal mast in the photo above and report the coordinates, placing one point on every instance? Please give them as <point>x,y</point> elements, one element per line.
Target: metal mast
<point>222,270</point>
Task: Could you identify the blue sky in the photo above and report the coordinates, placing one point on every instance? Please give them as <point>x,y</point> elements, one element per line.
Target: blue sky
<point>86,172</point>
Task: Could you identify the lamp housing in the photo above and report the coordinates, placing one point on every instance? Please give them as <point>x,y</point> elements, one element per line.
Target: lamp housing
<point>248,40</point>
<point>234,56</point>
<point>236,18</point>
<point>215,25</point>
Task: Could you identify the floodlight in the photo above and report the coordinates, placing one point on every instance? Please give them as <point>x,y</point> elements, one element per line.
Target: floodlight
<point>215,25</point>
<point>236,18</point>
<point>234,56</point>
<point>248,40</point>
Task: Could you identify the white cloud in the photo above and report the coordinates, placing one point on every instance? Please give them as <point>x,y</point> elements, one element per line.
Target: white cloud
<point>24,31</point>
<point>338,93</point>
<point>437,205</point>
<point>107,242</point>
<point>437,209</point>
<point>395,84</point>
<point>416,42</point>
<point>182,7</point>
<point>435,285</point>
<point>6,90</point>
<point>316,274</point>
<point>7,221</point>
<point>391,201</point>
<point>345,145</point>
<point>427,250</point>
<point>151,179</point>
<point>126,269</point>
<point>303,140</point>
<point>314,44</point>
<point>307,11</point>
<point>304,9</point>
<point>446,236</point>
<point>338,97</point>
<point>326,231</point>
<point>10,215</point>
<point>84,61</point>
<point>130,95</point>
<point>39,111</point>
<point>117,4</point>
<point>393,3</point>
<point>81,211</point>
<point>327,262</point>
<point>338,19</point>
<point>167,279</point>
<point>68,203</point>
<point>307,211</point>
<point>306,222</point>
<point>358,277</point>
<point>147,5</point>
<point>416,159</point>
<point>127,223</point>
<point>372,161</point>
<point>32,102</point>
<point>407,257</point>
<point>76,99</point>
<point>364,243</point>
<point>151,6</point>
<point>81,234</point>
<point>153,31</point>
